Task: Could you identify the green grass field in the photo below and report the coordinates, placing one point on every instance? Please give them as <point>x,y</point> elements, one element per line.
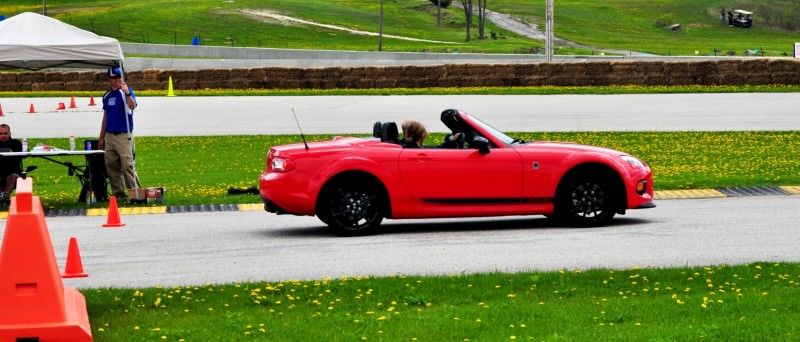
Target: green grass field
<point>754,302</point>
<point>199,170</point>
<point>541,90</point>
<point>618,24</point>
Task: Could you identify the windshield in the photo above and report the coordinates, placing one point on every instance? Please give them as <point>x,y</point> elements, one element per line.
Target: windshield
<point>493,131</point>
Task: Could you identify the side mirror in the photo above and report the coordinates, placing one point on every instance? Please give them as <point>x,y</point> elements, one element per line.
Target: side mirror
<point>481,144</point>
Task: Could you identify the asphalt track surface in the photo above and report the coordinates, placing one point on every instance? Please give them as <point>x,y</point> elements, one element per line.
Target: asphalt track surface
<point>202,248</point>
<point>187,116</point>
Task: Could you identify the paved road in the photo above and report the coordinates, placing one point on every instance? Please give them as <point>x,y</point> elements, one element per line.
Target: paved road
<point>162,116</point>
<point>202,248</point>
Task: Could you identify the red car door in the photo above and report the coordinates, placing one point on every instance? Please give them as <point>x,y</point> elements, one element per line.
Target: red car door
<point>438,175</point>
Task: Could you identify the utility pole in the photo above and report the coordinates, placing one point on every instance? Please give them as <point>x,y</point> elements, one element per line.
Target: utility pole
<point>44,7</point>
<point>549,32</point>
<point>438,13</point>
<point>380,30</point>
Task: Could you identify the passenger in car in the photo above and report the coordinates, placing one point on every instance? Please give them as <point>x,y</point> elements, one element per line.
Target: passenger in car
<point>414,134</point>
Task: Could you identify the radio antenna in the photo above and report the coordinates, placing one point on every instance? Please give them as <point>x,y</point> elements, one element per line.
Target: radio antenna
<point>301,130</point>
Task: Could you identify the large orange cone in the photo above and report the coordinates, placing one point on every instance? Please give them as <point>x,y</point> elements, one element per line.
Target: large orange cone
<point>34,303</point>
<point>72,102</point>
<point>91,101</point>
<point>74,267</point>
<point>32,110</point>
<point>60,106</point>
<point>113,214</point>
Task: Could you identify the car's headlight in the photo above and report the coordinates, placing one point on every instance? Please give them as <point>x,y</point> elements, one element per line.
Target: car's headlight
<point>633,162</point>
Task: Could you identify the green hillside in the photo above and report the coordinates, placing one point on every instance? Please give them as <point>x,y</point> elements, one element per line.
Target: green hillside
<point>644,25</point>
<point>618,24</point>
<point>220,22</point>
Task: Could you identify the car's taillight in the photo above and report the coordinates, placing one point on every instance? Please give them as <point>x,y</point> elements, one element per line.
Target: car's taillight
<point>269,159</point>
<point>278,163</point>
<point>641,187</point>
<point>281,164</point>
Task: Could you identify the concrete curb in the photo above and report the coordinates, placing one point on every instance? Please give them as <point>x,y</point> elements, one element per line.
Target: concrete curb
<point>786,190</point>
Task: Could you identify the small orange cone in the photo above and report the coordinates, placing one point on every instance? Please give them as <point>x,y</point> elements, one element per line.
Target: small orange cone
<point>113,214</point>
<point>32,110</point>
<point>91,101</point>
<point>72,102</point>
<point>1,110</point>
<point>60,106</point>
<point>74,267</point>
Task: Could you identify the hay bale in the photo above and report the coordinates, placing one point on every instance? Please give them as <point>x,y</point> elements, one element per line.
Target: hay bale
<point>597,68</point>
<point>753,67</point>
<point>732,79</point>
<point>655,80</point>
<point>573,70</point>
<point>702,68</point>
<point>385,83</point>
<point>676,68</point>
<point>758,79</point>
<point>510,81</point>
<point>649,68</point>
<point>536,80</point>
<point>782,65</point>
<point>624,68</point>
<point>564,80</point>
<point>788,78</point>
<point>489,81</point>
<point>728,66</point>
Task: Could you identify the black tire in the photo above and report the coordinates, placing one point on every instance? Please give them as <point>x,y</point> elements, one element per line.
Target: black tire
<point>587,201</point>
<point>352,208</point>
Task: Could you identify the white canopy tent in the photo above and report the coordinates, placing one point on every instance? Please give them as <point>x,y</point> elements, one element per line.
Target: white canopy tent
<point>32,41</point>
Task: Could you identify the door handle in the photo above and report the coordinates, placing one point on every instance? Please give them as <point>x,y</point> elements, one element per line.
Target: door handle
<point>421,157</point>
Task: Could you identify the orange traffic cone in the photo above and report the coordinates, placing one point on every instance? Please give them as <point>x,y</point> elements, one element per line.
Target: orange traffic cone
<point>113,214</point>
<point>60,106</point>
<point>32,110</point>
<point>1,110</point>
<point>74,267</point>
<point>72,102</point>
<point>34,303</point>
<point>91,101</point>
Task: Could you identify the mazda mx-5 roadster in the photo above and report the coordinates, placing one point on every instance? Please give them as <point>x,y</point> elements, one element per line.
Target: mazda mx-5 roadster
<point>352,184</point>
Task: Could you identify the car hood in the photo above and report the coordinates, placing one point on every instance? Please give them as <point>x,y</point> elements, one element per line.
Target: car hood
<point>568,148</point>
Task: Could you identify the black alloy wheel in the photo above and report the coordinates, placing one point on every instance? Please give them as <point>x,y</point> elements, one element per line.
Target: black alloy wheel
<point>353,209</point>
<point>587,202</point>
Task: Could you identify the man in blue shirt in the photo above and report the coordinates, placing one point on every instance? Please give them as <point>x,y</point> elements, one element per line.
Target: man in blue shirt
<point>115,134</point>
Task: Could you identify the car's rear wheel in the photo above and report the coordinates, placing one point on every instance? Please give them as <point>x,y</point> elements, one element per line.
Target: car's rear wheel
<point>587,200</point>
<point>352,208</point>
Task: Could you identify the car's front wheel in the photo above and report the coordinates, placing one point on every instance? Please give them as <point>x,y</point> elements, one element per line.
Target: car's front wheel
<point>352,208</point>
<point>587,201</point>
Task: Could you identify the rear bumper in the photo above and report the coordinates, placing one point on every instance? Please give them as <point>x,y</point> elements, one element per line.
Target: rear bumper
<point>284,195</point>
<point>273,208</point>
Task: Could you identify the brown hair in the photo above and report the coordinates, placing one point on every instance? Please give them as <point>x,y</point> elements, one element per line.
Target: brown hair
<point>414,132</point>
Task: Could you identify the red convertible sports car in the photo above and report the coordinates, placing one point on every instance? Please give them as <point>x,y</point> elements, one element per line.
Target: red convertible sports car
<point>352,184</point>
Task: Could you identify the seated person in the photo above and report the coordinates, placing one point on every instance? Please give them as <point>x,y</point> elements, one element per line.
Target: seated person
<point>10,167</point>
<point>414,134</point>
